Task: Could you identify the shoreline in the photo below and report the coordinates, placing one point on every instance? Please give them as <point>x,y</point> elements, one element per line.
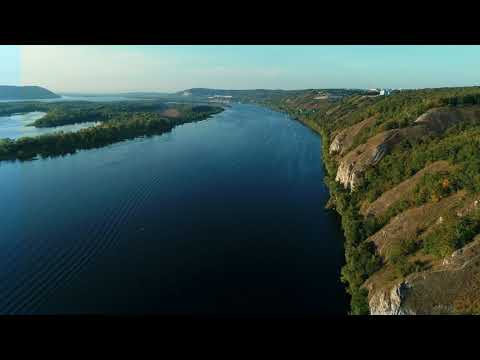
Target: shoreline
<point>330,205</point>
<point>113,131</point>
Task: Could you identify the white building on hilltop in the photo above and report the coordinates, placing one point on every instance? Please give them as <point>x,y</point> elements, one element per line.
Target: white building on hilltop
<point>381,92</point>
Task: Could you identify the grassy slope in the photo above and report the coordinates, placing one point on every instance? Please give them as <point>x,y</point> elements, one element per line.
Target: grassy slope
<point>459,145</point>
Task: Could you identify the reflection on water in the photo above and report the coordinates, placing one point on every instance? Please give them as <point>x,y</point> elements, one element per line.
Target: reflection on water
<point>220,217</point>
<point>16,126</point>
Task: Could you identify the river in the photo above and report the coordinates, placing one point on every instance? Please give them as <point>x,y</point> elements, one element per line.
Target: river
<point>222,217</point>
<point>17,125</point>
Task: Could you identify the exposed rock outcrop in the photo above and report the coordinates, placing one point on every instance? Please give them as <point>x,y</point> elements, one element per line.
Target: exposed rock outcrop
<point>432,123</point>
<point>353,165</point>
<point>390,301</point>
<point>344,140</point>
<point>407,224</point>
<point>472,205</point>
<point>450,287</point>
<point>447,286</point>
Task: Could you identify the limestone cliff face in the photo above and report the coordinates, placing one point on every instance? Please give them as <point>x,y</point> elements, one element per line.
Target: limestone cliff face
<point>391,302</point>
<point>344,140</point>
<point>432,123</point>
<point>447,286</point>
<point>354,164</point>
<point>336,145</point>
<point>347,175</point>
<point>451,286</point>
<point>437,286</point>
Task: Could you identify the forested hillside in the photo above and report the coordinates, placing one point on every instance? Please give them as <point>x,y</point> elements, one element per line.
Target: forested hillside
<point>404,174</point>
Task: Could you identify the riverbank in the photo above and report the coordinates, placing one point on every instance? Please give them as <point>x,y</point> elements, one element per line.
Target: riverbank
<point>113,127</point>
<point>338,200</point>
<point>21,125</point>
<point>220,218</point>
<point>402,172</point>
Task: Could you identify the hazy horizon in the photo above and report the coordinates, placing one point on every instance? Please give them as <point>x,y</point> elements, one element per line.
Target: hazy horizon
<point>99,69</point>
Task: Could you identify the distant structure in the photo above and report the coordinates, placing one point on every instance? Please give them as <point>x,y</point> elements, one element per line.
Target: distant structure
<point>186,93</point>
<point>380,92</point>
<point>220,98</point>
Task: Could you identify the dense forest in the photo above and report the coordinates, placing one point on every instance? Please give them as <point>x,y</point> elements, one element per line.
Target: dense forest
<point>459,145</point>
<point>119,121</point>
<point>71,112</point>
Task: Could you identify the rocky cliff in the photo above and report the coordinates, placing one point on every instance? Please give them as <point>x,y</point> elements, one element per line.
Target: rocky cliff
<point>391,301</point>
<point>451,286</point>
<point>433,123</point>
<point>344,140</point>
<point>352,165</point>
<point>410,232</point>
<point>446,286</point>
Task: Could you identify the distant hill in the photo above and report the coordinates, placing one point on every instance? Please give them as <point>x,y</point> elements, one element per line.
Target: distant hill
<point>262,94</point>
<point>236,93</point>
<point>119,94</point>
<point>25,93</point>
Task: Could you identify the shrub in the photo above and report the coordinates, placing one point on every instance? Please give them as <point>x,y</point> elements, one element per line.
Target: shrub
<point>451,235</point>
<point>359,302</point>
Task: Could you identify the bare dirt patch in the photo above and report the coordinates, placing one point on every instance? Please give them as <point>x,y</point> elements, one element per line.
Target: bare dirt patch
<point>171,113</point>
<point>452,286</point>
<point>413,221</point>
<point>403,190</point>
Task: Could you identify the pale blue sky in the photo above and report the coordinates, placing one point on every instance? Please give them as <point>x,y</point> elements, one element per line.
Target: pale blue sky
<point>9,65</point>
<point>173,68</point>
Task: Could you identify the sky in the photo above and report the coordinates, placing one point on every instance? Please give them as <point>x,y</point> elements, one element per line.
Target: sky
<point>105,68</point>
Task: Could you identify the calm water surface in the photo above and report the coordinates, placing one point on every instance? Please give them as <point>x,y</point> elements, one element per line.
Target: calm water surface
<point>16,126</point>
<point>221,217</point>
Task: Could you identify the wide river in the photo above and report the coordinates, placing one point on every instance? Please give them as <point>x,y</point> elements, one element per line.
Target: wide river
<point>222,217</point>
